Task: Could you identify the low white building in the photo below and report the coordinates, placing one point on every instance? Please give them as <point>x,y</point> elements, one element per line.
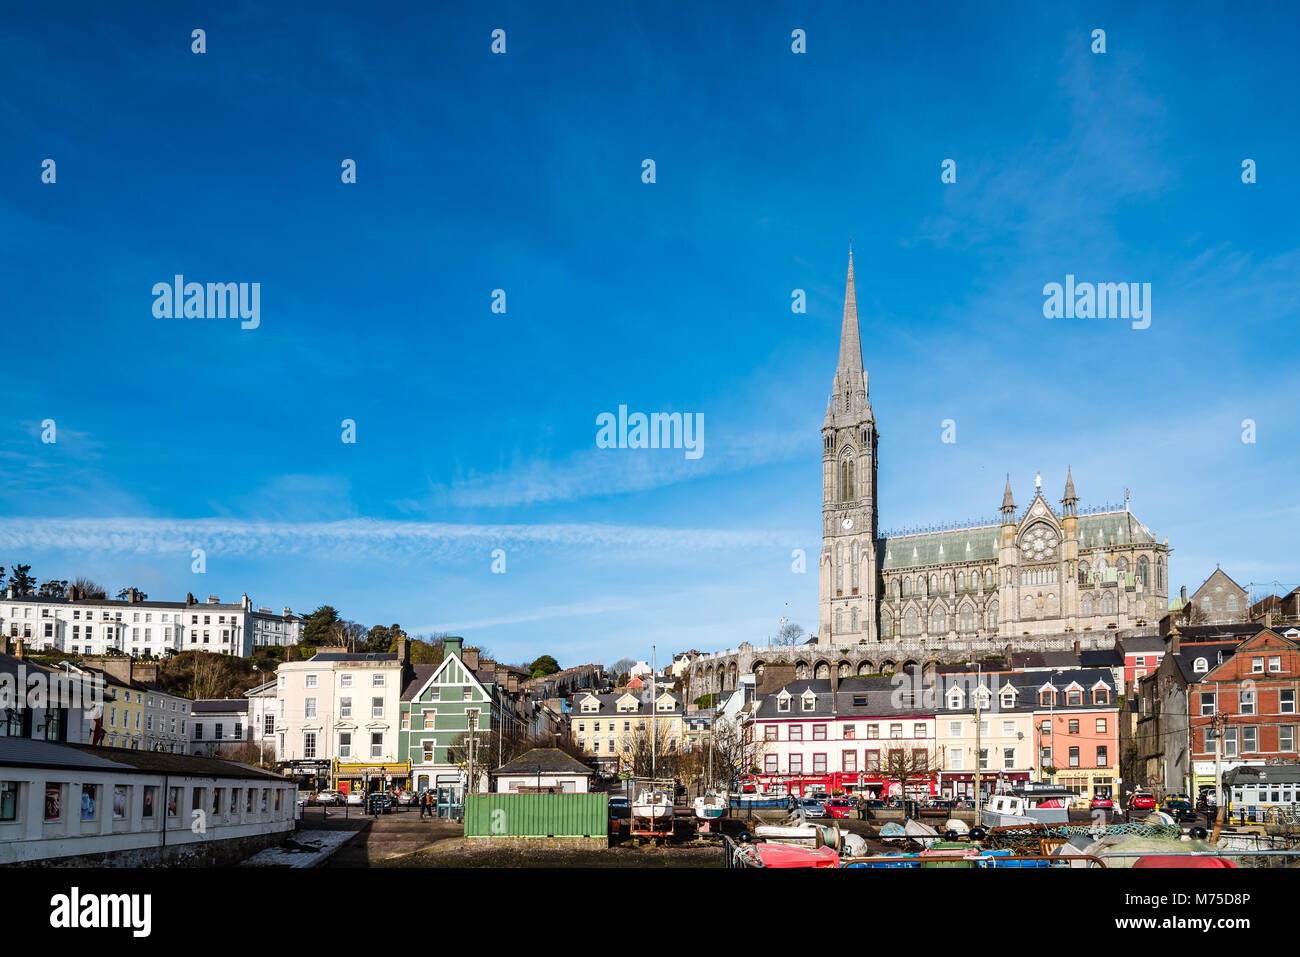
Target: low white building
<point>102,807</point>
<point>543,770</point>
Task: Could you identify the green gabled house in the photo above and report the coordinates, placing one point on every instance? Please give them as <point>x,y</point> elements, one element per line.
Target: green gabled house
<point>438,705</point>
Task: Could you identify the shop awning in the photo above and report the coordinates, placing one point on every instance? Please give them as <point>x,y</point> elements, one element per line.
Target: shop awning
<point>371,770</point>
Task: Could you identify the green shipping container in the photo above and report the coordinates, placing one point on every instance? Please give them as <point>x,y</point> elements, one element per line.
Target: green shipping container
<point>536,815</point>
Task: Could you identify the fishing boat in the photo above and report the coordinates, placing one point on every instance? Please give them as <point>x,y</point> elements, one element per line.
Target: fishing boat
<point>1028,805</point>
<point>919,832</point>
<point>762,801</point>
<point>710,806</point>
<point>652,804</point>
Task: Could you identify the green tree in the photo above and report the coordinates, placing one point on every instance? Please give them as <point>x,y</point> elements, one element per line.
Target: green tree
<point>383,638</point>
<point>22,582</point>
<point>53,589</point>
<point>316,627</point>
<point>543,666</point>
<point>125,593</point>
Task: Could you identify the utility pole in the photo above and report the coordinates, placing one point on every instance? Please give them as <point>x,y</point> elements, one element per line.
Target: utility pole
<point>979,685</point>
<point>653,717</point>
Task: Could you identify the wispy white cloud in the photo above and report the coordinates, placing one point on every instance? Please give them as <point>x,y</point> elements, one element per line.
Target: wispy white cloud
<point>599,472</point>
<point>353,538</point>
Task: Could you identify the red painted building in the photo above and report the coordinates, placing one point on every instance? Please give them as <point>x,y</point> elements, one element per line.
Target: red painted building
<point>1256,691</point>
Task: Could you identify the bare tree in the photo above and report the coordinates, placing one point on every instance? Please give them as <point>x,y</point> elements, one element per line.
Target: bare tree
<point>908,767</point>
<point>645,754</point>
<point>87,588</point>
<point>736,752</point>
<point>791,633</point>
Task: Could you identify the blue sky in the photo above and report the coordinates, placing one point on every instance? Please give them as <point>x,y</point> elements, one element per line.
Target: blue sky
<point>476,431</point>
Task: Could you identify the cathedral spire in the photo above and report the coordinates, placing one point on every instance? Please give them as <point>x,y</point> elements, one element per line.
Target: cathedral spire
<point>850,339</point>
<point>1071,500</point>
<point>1008,504</point>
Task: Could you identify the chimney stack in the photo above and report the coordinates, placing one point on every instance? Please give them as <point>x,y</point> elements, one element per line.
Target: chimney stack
<point>403,651</point>
<point>131,596</point>
<point>470,657</point>
<point>189,599</point>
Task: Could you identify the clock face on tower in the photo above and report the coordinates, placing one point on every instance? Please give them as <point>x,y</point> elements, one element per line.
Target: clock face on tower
<point>847,523</point>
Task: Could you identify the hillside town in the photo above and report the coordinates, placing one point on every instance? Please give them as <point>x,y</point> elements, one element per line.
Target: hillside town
<point>1197,711</point>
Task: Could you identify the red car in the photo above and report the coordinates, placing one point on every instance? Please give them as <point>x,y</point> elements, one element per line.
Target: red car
<point>840,807</point>
<point>1101,804</point>
<point>1142,802</point>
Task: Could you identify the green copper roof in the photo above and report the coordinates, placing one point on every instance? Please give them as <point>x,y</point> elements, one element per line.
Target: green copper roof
<point>980,543</point>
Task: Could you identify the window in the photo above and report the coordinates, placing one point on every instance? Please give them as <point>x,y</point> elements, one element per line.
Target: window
<point>8,801</point>
<point>1274,663</point>
<point>918,731</point>
<point>895,730</point>
<point>377,744</point>
<point>955,758</point>
<point>1074,726</point>
<point>376,707</point>
<point>1008,728</point>
<point>849,762</point>
<point>796,764</point>
<point>1101,725</point>
<point>938,621</point>
<point>345,744</point>
<point>954,729</point>
<point>1103,756</point>
<point>1209,702</point>
<point>310,681</point>
<point>309,744</point>
<point>1074,757</point>
<point>769,764</point>
<point>984,759</point>
<point>1008,758</point>
<point>873,760</point>
<point>783,704</point>
<point>377,679</point>
<point>848,732</point>
<point>1286,701</point>
<point>218,729</point>
<point>1257,666</point>
<point>809,704</point>
<point>309,708</point>
<point>198,731</point>
<point>1074,697</point>
<point>1200,666</point>
<point>1247,701</point>
<point>796,732</point>
<point>1250,738</point>
<point>1230,742</point>
<point>873,731</point>
<point>1286,737</point>
<point>1100,695</point>
<point>819,732</point>
<point>819,764</point>
<point>1008,698</point>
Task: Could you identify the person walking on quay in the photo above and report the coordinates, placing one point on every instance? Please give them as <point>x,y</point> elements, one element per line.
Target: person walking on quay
<point>862,808</point>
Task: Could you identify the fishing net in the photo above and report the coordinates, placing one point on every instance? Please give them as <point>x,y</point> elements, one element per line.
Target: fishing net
<point>1030,837</point>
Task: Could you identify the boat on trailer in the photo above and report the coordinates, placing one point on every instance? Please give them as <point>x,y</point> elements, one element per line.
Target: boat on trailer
<point>652,804</point>
<point>1027,805</point>
<point>710,806</point>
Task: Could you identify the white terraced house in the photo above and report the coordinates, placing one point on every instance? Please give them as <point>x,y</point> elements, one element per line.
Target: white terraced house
<point>140,627</point>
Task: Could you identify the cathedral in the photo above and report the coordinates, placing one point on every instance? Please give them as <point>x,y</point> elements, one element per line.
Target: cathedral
<point>1042,570</point>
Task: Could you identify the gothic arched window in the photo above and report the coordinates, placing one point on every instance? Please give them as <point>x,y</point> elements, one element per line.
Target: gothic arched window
<point>947,582</point>
<point>966,619</point>
<point>853,620</point>
<point>1108,604</point>
<point>839,570</point>
<point>938,622</point>
<point>961,580</point>
<point>1122,566</point>
<point>934,584</point>
<point>846,479</point>
<point>1144,570</point>
<point>988,578</point>
<point>855,569</point>
<point>1160,575</point>
<point>911,622</point>
<point>1085,605</point>
<point>907,587</point>
<point>1083,573</point>
<point>887,625</point>
<point>895,587</point>
<point>993,614</point>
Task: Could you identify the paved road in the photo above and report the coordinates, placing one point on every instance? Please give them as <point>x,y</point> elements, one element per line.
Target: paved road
<point>392,835</point>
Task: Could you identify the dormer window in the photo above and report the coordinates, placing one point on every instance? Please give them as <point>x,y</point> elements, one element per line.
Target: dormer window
<point>809,703</point>
<point>1008,698</point>
<point>984,697</point>
<point>782,704</point>
<point>1074,697</point>
<point>1047,697</point>
<point>1100,695</point>
<point>1200,666</point>
<point>955,699</point>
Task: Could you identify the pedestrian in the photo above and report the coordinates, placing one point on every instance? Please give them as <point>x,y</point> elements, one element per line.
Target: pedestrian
<point>862,808</point>
<point>424,805</point>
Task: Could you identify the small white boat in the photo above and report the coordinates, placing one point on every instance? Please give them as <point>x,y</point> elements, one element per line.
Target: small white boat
<point>652,804</point>
<point>918,831</point>
<point>710,806</point>
<point>808,835</point>
<point>957,826</point>
<point>892,831</point>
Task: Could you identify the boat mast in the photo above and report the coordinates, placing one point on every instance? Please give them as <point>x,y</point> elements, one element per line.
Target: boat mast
<point>653,717</point>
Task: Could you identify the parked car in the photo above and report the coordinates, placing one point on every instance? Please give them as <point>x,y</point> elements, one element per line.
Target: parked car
<point>406,798</point>
<point>1101,804</point>
<point>357,798</point>
<point>1180,809</point>
<point>304,798</point>
<point>330,797</point>
<point>380,802</point>
<point>875,804</point>
<point>807,807</point>
<point>1142,801</point>
<point>841,807</point>
<point>619,808</point>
